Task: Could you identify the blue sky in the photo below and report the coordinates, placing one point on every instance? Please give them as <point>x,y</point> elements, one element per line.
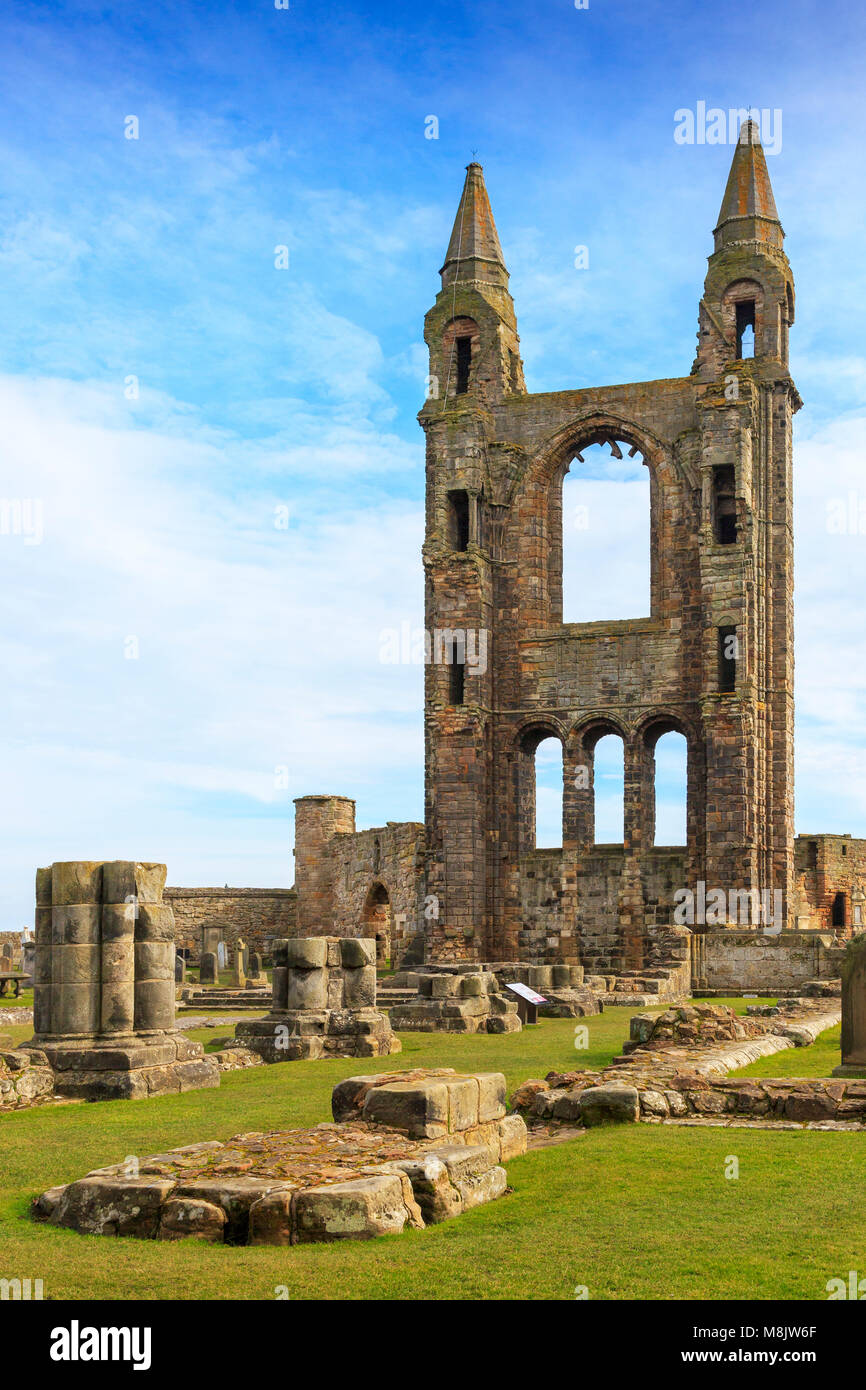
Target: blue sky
<point>246,513</point>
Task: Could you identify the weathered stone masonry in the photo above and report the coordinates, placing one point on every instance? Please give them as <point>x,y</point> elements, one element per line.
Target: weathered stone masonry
<point>722,433</point>
<point>258,915</point>
<point>713,659</point>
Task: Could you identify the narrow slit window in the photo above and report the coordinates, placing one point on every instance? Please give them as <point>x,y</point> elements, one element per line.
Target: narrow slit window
<point>464,362</point>
<point>458,520</point>
<point>729,651</point>
<point>724,505</point>
<point>457,674</point>
<point>745,329</point>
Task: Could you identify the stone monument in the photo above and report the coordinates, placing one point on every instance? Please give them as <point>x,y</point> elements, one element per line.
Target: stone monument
<point>324,1003</point>
<point>103,1008</point>
<point>240,964</point>
<point>208,969</point>
<point>853,1009</point>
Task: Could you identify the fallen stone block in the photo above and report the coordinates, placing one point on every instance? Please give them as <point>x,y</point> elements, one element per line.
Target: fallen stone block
<point>609,1105</point>
<point>357,1210</point>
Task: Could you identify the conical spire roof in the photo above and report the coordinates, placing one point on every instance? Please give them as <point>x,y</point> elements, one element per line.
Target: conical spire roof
<point>474,251</point>
<point>748,193</point>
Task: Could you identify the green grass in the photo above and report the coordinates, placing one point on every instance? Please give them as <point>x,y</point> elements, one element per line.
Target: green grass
<point>638,1212</point>
<point>24,1001</point>
<point>817,1060</point>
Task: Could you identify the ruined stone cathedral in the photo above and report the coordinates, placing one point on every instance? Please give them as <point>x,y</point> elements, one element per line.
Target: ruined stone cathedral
<point>713,659</point>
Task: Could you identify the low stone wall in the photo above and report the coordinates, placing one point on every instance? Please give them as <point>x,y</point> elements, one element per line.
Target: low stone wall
<point>439,1154</point>
<point>739,962</point>
<point>676,1064</point>
<point>25,1079</point>
<point>255,914</point>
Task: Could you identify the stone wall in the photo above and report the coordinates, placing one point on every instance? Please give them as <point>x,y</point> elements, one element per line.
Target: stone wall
<point>830,883</point>
<point>255,914</point>
<point>358,883</point>
<point>717,447</point>
<point>749,961</point>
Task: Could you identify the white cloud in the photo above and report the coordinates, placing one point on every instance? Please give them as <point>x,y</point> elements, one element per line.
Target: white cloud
<point>258,647</point>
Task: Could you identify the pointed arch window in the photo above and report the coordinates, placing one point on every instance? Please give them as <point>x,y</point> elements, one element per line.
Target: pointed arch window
<point>606,553</point>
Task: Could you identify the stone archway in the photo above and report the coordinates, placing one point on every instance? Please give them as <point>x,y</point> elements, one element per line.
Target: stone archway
<point>376,921</point>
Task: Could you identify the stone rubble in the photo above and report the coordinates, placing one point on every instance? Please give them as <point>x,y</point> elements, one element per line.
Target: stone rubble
<point>676,1065</point>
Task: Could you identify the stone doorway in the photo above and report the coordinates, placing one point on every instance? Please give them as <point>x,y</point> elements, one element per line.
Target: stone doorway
<point>376,921</point>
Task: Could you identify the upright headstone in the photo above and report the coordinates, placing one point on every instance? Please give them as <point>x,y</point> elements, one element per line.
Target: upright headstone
<point>853,1008</point>
<point>240,972</point>
<point>255,973</point>
<point>179,970</point>
<point>28,951</point>
<point>208,971</point>
<point>222,955</point>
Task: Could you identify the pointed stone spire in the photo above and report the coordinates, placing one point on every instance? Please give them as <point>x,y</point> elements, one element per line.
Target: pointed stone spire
<point>748,211</point>
<point>474,252</point>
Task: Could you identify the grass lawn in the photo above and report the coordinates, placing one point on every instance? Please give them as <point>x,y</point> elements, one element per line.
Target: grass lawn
<point>24,1001</point>
<point>817,1060</point>
<point>639,1212</point>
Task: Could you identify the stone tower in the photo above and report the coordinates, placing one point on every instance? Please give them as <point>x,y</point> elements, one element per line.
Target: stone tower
<point>713,659</point>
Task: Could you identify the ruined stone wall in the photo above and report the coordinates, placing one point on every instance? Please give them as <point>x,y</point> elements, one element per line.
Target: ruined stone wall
<point>504,453</point>
<point>550,928</point>
<point>750,961</point>
<point>830,883</point>
<point>254,914</point>
<point>358,883</point>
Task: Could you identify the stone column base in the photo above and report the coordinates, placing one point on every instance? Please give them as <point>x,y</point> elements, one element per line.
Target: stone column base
<point>299,1034</point>
<point>164,1064</point>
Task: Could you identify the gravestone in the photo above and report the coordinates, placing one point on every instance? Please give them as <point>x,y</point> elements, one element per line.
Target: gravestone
<point>240,971</point>
<point>208,971</point>
<point>853,1009</point>
<point>255,973</point>
<point>222,955</point>
<point>179,970</point>
<point>210,939</point>
<point>104,993</point>
<point>28,951</point>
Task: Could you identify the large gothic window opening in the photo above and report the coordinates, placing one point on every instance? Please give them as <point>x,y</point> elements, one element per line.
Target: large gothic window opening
<point>606,534</point>
<point>548,794</point>
<point>609,786</point>
<point>671,789</point>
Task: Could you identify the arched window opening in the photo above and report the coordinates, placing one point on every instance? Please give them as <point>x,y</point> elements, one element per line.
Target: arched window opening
<point>464,364</point>
<point>745,310</point>
<point>724,504</point>
<point>837,918</point>
<point>729,651</point>
<point>606,534</point>
<point>548,794</point>
<point>376,921</point>
<point>456,658</point>
<point>458,520</point>
<point>609,786</point>
<point>460,345</point>
<point>671,789</point>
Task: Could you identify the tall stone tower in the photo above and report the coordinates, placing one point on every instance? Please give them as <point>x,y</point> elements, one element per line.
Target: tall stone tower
<point>713,659</point>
